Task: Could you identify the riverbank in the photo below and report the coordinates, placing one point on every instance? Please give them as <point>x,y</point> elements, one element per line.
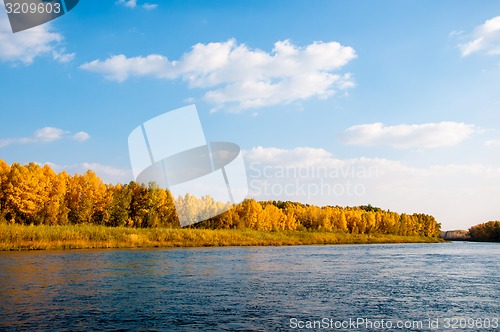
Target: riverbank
<point>18,237</point>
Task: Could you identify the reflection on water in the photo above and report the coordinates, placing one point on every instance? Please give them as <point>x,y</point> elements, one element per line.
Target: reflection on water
<point>254,288</point>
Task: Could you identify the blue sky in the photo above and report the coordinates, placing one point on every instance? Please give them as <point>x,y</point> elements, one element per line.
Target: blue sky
<point>408,91</point>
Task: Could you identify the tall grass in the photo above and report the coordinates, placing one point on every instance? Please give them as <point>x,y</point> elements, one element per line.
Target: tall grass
<point>19,237</point>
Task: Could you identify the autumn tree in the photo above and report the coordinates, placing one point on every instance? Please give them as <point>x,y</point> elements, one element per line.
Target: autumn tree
<point>4,175</point>
<point>161,209</point>
<point>249,213</point>
<point>488,232</point>
<point>37,195</point>
<point>54,211</point>
<point>26,193</point>
<point>271,218</point>
<point>87,198</point>
<point>118,209</point>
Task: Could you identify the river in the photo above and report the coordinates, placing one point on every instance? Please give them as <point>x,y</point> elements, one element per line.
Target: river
<point>420,287</point>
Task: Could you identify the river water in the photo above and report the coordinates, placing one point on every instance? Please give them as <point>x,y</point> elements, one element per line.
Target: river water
<point>420,287</point>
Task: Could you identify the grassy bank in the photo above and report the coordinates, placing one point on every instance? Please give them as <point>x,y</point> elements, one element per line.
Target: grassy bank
<point>17,237</point>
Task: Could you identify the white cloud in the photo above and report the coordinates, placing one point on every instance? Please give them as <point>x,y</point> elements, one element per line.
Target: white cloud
<point>62,57</point>
<point>485,39</point>
<point>149,6</point>
<point>25,46</point>
<point>45,135</point>
<point>239,78</point>
<point>109,174</point>
<point>119,67</point>
<point>404,136</point>
<point>459,196</point>
<point>493,143</point>
<point>81,136</point>
<point>128,3</point>
<point>456,33</point>
<point>48,134</point>
<point>299,156</point>
<point>133,4</point>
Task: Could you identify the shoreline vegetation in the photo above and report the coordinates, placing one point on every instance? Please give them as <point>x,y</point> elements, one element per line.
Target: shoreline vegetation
<point>43,237</point>
<point>485,232</point>
<point>40,209</point>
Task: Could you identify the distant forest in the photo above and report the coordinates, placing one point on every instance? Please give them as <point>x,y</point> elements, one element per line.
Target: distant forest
<point>487,232</point>
<point>34,194</point>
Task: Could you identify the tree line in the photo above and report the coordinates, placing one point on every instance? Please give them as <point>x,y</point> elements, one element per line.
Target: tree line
<point>486,232</point>
<point>34,194</point>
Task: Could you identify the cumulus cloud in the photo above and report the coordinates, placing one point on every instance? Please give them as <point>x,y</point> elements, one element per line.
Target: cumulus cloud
<point>81,136</point>
<point>108,173</point>
<point>133,4</point>
<point>128,3</point>
<point>492,143</point>
<point>404,136</point>
<point>238,77</point>
<point>315,176</point>
<point>61,56</point>
<point>45,135</point>
<point>25,46</point>
<point>484,39</point>
<point>149,6</point>
<point>48,134</point>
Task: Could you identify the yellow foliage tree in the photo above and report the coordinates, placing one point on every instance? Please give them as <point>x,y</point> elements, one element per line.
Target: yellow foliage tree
<point>87,198</point>
<point>34,194</point>
<point>27,192</point>
<point>4,176</point>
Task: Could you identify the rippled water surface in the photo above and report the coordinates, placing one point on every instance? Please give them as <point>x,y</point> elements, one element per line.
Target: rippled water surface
<point>250,288</point>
